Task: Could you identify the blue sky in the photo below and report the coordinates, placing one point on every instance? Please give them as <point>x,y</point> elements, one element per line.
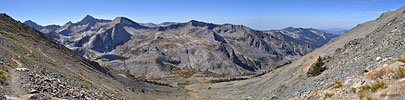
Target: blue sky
<point>257,14</point>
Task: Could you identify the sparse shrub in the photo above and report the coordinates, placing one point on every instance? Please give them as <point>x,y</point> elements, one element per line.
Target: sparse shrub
<point>401,73</point>
<point>188,74</point>
<point>354,90</point>
<point>362,72</point>
<point>3,77</point>
<point>364,90</point>
<point>361,95</point>
<point>335,85</point>
<point>328,95</point>
<point>5,68</point>
<point>369,98</point>
<point>182,86</point>
<point>317,67</point>
<point>129,75</point>
<point>368,56</point>
<point>378,85</point>
<point>273,98</point>
<point>185,73</point>
<point>401,60</point>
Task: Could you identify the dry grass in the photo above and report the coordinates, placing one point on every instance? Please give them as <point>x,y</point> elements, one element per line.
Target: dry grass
<point>379,73</point>
<point>5,68</point>
<point>335,85</point>
<point>3,77</point>
<point>401,60</point>
<point>400,73</point>
<point>328,95</point>
<point>366,89</point>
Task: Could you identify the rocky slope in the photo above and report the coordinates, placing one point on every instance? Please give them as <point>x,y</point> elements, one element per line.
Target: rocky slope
<point>192,47</point>
<point>365,63</point>
<point>33,65</point>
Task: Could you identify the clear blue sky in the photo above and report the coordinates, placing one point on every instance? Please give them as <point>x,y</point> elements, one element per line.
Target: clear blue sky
<point>257,14</point>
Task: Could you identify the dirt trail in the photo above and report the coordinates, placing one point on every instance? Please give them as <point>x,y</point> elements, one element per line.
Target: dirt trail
<point>17,81</point>
<point>17,90</point>
<point>16,61</point>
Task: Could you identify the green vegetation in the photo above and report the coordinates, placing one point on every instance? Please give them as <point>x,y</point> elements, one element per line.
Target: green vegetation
<point>354,90</point>
<point>182,86</point>
<point>39,73</point>
<point>368,56</point>
<point>362,72</point>
<point>401,60</point>
<point>273,98</point>
<point>188,74</point>
<point>212,74</point>
<point>364,90</point>
<point>328,95</point>
<point>361,96</point>
<point>5,68</point>
<point>317,67</point>
<point>129,75</point>
<point>185,83</point>
<point>335,85</point>
<point>369,98</point>
<point>185,73</point>
<point>3,77</point>
<point>378,85</point>
<point>401,73</point>
<point>14,28</point>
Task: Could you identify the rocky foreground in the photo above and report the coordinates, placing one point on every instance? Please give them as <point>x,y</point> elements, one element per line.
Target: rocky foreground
<point>25,84</point>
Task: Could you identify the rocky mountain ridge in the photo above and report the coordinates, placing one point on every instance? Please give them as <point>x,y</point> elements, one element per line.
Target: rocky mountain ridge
<point>155,52</point>
<point>34,66</point>
<point>365,63</point>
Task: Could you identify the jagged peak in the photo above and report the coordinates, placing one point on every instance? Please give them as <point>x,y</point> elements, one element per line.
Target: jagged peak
<point>88,18</point>
<point>125,21</point>
<point>31,22</point>
<point>121,19</point>
<point>4,15</point>
<point>69,22</point>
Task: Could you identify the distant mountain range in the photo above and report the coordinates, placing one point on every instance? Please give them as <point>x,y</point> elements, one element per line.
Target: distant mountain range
<point>157,25</point>
<point>336,31</point>
<point>158,51</point>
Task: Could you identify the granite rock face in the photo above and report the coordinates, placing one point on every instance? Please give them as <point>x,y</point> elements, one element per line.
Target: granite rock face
<point>154,52</point>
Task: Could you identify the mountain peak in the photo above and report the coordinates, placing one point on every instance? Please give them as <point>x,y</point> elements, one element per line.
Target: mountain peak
<point>88,17</point>
<point>201,24</point>
<point>30,22</point>
<point>88,20</point>
<point>127,22</point>
<point>123,20</point>
<point>195,21</point>
<point>33,24</point>
<point>3,15</point>
<point>290,29</point>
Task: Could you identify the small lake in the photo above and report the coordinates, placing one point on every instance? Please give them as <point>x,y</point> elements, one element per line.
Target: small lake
<point>111,57</point>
